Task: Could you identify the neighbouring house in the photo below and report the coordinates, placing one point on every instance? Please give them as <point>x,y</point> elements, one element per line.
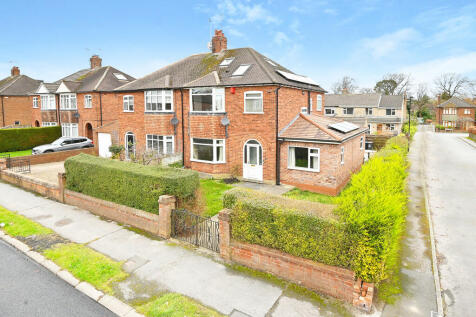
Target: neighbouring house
<point>16,99</point>
<point>82,101</point>
<point>455,113</point>
<point>381,114</point>
<point>223,112</point>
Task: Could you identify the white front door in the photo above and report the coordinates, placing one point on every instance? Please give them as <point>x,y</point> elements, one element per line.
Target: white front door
<point>104,142</point>
<point>253,161</point>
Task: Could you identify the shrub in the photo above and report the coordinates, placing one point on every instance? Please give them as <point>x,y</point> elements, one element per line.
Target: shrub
<point>26,138</point>
<point>116,150</point>
<point>129,184</point>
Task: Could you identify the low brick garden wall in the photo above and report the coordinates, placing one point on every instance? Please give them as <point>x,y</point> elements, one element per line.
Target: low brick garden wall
<point>56,156</point>
<point>30,183</point>
<point>472,133</point>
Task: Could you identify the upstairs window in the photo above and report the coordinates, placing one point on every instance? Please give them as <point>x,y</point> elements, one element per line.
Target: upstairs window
<point>68,102</point>
<point>449,111</point>
<point>310,103</point>
<point>48,102</point>
<point>319,103</point>
<point>390,112</point>
<point>35,102</point>
<point>330,111</point>
<point>369,111</point>
<point>467,111</point>
<point>88,101</point>
<point>349,111</point>
<point>241,70</point>
<point>254,102</point>
<point>158,100</point>
<point>361,142</point>
<point>208,99</point>
<point>128,103</point>
<point>342,155</point>
<point>303,158</point>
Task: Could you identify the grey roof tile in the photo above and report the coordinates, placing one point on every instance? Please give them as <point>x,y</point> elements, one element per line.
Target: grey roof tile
<point>20,85</point>
<point>352,100</point>
<point>456,102</point>
<point>391,101</point>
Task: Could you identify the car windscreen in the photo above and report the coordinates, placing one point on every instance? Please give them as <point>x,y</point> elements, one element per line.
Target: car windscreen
<point>58,141</point>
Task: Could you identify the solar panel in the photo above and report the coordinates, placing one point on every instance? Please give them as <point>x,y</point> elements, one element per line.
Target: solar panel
<point>298,78</point>
<point>343,126</point>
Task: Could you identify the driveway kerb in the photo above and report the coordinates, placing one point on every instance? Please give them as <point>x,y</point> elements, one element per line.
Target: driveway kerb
<point>472,143</point>
<point>112,303</point>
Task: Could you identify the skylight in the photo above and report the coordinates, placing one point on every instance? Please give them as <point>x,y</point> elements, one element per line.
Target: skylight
<point>343,127</point>
<point>298,78</point>
<point>120,76</point>
<point>241,70</point>
<point>271,62</point>
<point>226,61</point>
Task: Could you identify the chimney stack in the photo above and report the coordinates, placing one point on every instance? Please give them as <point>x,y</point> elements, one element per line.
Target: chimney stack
<point>218,42</point>
<point>15,71</point>
<point>95,61</point>
<point>345,91</point>
<point>439,98</point>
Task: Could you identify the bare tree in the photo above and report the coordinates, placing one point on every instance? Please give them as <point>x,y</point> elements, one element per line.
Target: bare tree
<point>366,90</point>
<point>451,84</point>
<point>345,85</point>
<point>394,84</point>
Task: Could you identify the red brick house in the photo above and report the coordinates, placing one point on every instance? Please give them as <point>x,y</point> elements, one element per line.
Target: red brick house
<point>223,112</point>
<point>82,101</point>
<point>16,99</point>
<point>455,113</point>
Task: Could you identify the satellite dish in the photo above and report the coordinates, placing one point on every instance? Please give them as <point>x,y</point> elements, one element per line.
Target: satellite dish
<point>225,122</point>
<point>174,121</point>
<point>76,115</point>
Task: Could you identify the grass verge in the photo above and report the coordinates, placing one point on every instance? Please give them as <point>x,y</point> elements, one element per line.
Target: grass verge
<point>18,153</point>
<point>213,191</point>
<point>307,195</point>
<point>19,226</point>
<point>87,265</point>
<point>175,305</point>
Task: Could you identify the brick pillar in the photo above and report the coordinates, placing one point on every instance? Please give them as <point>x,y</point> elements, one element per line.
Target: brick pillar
<point>166,205</point>
<point>3,164</point>
<point>61,185</point>
<point>363,295</point>
<point>225,233</point>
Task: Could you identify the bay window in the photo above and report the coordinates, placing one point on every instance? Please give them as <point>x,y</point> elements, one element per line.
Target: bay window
<point>69,129</point>
<point>253,102</point>
<point>68,102</point>
<point>208,99</point>
<point>208,150</point>
<point>128,103</point>
<point>48,102</point>
<point>158,100</point>
<point>304,158</point>
<point>163,144</point>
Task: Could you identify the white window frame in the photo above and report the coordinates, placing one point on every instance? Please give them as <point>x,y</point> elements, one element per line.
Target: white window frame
<point>304,110</point>
<point>390,126</point>
<point>369,111</point>
<point>333,111</point>
<point>309,156</point>
<point>48,102</point>
<point>467,111</point>
<point>217,94</point>
<point>362,142</point>
<point>128,103</point>
<point>246,97</point>
<point>156,138</point>
<point>243,68</point>
<point>161,95</point>
<point>49,124</point>
<point>342,159</point>
<point>310,103</point>
<point>35,102</point>
<point>69,129</point>
<point>88,101</point>
<point>319,103</point>
<point>392,112</point>
<point>215,145</point>
<point>68,102</point>
<point>348,114</point>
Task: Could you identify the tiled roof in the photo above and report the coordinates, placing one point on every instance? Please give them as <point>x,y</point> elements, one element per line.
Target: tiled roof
<point>204,70</point>
<point>19,85</point>
<point>456,102</point>
<point>391,101</point>
<point>316,127</point>
<point>364,100</point>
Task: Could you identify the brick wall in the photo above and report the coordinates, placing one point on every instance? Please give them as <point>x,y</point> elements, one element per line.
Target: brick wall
<point>16,108</point>
<point>30,183</point>
<point>56,156</point>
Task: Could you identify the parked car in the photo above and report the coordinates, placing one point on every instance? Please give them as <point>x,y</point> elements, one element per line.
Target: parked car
<point>64,144</point>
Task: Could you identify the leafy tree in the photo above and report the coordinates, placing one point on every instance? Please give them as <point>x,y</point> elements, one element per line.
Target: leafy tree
<point>386,86</point>
<point>345,85</point>
<point>393,84</point>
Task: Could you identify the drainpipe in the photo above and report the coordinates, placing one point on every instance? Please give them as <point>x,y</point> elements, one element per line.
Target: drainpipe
<point>308,102</point>
<point>58,110</point>
<point>278,154</point>
<point>100,106</point>
<point>183,129</point>
<point>3,114</point>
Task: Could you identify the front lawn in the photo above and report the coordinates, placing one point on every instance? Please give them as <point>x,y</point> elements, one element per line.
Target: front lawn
<point>213,191</point>
<point>175,305</point>
<point>19,226</point>
<point>307,195</point>
<point>18,153</point>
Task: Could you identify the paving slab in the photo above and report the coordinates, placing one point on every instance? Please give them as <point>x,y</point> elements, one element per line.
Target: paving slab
<point>288,306</point>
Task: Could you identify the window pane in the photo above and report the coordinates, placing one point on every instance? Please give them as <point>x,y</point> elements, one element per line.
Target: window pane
<point>254,105</point>
<point>314,163</point>
<point>253,155</point>
<point>206,141</point>
<point>202,102</point>
<point>203,152</point>
<point>202,91</point>
<point>220,154</point>
<point>168,101</point>
<point>301,157</point>
<point>170,148</point>
<point>219,103</point>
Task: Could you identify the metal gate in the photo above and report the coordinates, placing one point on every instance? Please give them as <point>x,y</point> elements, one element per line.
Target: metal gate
<point>194,229</point>
<point>19,165</point>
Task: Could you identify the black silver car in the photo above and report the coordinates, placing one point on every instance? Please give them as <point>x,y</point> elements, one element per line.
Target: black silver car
<point>64,144</point>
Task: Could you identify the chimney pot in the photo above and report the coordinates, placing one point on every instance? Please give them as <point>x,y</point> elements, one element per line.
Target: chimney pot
<point>15,71</point>
<point>219,42</point>
<point>95,61</point>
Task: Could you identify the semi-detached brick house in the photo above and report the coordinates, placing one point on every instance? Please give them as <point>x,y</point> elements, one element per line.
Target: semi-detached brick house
<point>223,111</point>
<point>82,101</point>
<point>456,113</point>
<point>16,99</point>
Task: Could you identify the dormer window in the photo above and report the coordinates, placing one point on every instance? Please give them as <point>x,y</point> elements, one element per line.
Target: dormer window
<point>226,62</point>
<point>241,70</point>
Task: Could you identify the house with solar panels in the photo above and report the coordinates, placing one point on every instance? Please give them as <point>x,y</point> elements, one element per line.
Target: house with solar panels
<point>234,111</point>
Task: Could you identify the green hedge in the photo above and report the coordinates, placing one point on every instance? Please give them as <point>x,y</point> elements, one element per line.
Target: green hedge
<point>269,221</point>
<point>26,138</point>
<point>130,184</point>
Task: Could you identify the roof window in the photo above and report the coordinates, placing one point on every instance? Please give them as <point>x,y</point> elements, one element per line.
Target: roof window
<point>120,76</point>
<point>241,70</point>
<point>226,62</point>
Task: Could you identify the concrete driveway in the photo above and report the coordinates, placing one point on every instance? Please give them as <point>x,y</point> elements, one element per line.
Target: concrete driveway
<point>450,173</point>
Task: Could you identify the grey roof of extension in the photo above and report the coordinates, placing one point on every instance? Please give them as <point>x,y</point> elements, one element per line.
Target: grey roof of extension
<point>204,70</point>
<point>457,102</point>
<point>96,79</point>
<point>19,85</point>
<point>52,87</point>
<point>364,100</point>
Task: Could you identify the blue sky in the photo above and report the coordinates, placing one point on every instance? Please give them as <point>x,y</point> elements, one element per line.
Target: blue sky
<point>321,39</point>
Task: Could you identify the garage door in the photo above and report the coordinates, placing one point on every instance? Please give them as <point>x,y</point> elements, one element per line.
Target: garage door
<point>104,142</point>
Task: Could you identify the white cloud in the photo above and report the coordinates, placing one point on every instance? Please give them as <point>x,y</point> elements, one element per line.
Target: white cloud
<point>388,43</point>
<point>330,11</point>
<point>280,38</point>
<point>239,13</point>
<point>295,26</point>
<point>235,32</point>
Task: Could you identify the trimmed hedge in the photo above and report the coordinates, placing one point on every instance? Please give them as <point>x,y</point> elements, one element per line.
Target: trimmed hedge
<point>130,184</point>
<point>270,221</point>
<point>26,138</point>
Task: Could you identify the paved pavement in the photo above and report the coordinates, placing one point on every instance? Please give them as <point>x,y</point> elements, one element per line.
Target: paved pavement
<point>450,169</point>
<point>29,289</point>
<point>160,265</point>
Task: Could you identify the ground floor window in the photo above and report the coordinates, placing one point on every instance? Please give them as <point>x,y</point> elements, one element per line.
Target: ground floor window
<point>208,150</point>
<point>163,144</point>
<point>448,124</point>
<point>303,158</point>
<point>391,127</point>
<point>69,129</point>
<point>48,124</point>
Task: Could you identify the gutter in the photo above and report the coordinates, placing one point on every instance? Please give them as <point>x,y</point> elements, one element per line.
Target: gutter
<point>278,154</point>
